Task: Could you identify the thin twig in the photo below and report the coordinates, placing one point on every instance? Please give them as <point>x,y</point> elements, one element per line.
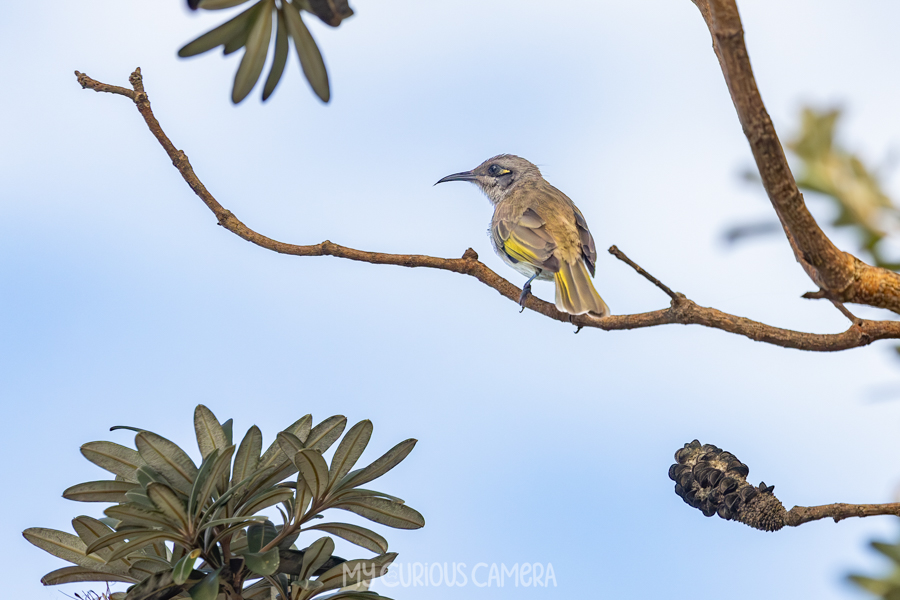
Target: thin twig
<point>681,311</point>
<point>621,256</point>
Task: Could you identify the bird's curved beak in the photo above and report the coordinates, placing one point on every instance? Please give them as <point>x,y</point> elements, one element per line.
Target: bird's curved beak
<point>464,176</point>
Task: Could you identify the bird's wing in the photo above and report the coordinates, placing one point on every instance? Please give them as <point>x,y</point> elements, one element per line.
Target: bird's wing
<point>588,249</point>
<point>523,238</point>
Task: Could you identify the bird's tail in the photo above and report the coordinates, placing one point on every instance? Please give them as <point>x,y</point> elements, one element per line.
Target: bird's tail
<point>575,294</point>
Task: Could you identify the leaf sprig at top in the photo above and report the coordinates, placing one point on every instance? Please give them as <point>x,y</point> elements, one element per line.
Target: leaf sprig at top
<point>253,30</point>
<point>176,529</point>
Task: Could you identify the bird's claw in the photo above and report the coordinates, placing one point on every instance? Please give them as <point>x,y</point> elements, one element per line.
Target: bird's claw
<point>526,291</point>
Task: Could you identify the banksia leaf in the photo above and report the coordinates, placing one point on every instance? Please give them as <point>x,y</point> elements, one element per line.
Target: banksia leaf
<point>355,534</point>
<point>281,53</point>
<point>349,450</point>
<point>222,34</point>
<point>323,435</point>
<point>100,491</point>
<point>307,51</point>
<point>314,470</point>
<point>210,435</point>
<point>386,512</point>
<point>255,55</point>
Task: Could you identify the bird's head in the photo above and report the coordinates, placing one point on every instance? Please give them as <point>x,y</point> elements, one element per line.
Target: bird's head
<point>498,176</point>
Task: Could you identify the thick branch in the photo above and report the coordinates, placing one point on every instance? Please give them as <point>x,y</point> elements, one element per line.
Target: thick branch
<point>681,311</point>
<point>804,514</point>
<point>845,277</point>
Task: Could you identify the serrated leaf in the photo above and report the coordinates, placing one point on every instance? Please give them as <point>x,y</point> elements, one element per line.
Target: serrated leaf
<point>315,556</point>
<point>115,458</point>
<point>182,569</point>
<point>221,34</point>
<point>210,435</point>
<point>307,51</point>
<point>208,588</point>
<point>167,459</point>
<point>383,511</point>
<point>65,546</point>
<point>262,563</point>
<point>90,530</point>
<point>349,450</point>
<point>247,457</point>
<point>259,535</point>
<point>323,435</point>
<point>78,574</point>
<point>281,53</point>
<point>100,491</point>
<point>257,47</point>
<point>355,534</point>
<point>314,470</point>
<point>354,571</point>
<point>170,505</point>
<point>380,466</point>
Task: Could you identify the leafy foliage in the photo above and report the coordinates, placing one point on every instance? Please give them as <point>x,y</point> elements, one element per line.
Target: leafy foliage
<point>830,169</point>
<point>826,167</point>
<point>168,514</point>
<point>887,587</point>
<point>252,30</point>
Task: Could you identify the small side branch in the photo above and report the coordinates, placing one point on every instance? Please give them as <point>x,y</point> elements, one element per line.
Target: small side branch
<point>681,311</point>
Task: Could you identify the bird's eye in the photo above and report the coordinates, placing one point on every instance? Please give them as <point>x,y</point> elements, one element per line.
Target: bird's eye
<point>496,170</point>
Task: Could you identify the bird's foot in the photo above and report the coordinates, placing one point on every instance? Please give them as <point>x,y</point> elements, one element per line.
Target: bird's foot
<point>526,291</point>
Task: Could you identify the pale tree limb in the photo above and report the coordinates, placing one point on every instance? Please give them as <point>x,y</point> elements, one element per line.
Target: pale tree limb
<point>681,311</point>
<point>842,276</point>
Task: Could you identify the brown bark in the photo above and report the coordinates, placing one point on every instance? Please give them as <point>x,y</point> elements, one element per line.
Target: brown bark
<point>842,276</point>
<point>681,311</point>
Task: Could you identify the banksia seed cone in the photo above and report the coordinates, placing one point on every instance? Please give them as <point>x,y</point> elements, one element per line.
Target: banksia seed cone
<point>715,482</point>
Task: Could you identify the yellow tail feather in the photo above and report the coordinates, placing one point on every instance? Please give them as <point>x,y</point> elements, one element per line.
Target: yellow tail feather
<point>575,294</point>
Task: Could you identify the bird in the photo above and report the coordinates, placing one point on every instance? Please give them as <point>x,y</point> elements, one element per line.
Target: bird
<point>538,231</point>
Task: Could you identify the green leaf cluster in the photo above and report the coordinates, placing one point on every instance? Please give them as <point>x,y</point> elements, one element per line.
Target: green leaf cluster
<point>828,168</point>
<point>887,587</point>
<point>177,530</point>
<point>253,30</point>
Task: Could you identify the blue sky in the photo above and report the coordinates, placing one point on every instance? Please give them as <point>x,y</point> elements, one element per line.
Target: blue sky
<point>123,302</point>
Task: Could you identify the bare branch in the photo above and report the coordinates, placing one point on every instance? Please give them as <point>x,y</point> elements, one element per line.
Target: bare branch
<point>681,311</point>
<point>842,275</point>
<point>804,514</point>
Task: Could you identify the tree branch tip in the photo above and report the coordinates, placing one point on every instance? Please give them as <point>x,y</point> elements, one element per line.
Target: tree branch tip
<point>814,295</point>
<point>470,254</point>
